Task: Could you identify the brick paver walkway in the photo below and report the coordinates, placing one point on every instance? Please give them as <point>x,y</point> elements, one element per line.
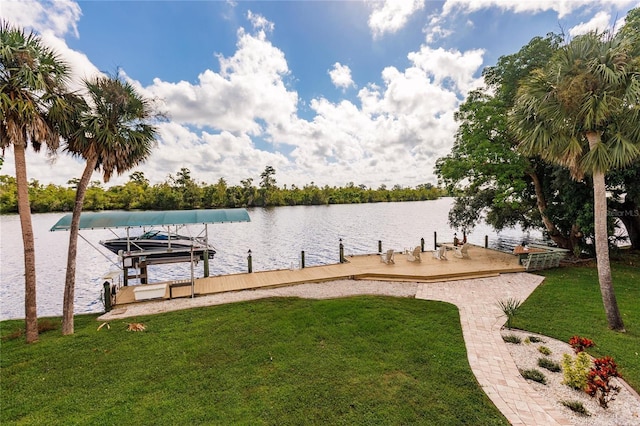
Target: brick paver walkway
<point>489,357</point>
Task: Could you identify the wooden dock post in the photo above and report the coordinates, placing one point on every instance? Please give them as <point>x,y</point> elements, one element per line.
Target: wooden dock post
<point>422,245</point>
<point>206,263</point>
<point>341,247</point>
<point>107,296</point>
<point>250,262</point>
<point>486,241</point>
<point>379,246</point>
<point>435,240</point>
<point>302,260</point>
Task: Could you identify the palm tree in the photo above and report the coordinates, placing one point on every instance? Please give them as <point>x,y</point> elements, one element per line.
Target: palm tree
<point>114,135</point>
<point>583,111</point>
<point>32,98</point>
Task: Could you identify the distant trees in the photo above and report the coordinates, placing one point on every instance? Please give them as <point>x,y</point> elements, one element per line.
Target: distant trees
<point>183,192</point>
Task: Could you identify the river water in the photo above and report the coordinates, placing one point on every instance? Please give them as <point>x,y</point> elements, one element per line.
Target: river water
<point>276,236</point>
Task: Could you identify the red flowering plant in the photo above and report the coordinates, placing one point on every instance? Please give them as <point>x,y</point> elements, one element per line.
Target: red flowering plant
<point>598,384</point>
<point>579,344</point>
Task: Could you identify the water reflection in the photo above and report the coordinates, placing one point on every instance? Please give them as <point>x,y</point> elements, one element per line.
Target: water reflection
<point>275,236</point>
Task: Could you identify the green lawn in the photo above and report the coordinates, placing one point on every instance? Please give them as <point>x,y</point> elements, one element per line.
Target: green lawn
<point>361,360</point>
<point>569,303</point>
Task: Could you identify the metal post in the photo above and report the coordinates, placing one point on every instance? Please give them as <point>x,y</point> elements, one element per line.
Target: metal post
<point>422,245</point>
<point>107,296</point>
<point>379,246</point>
<point>250,262</point>
<point>486,241</point>
<point>435,240</point>
<point>341,251</point>
<point>302,260</point>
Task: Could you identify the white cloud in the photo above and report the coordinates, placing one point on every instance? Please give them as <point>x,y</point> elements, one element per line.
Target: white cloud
<point>234,122</point>
<point>248,90</point>
<point>341,76</point>
<point>390,16</point>
<point>259,22</point>
<point>561,7</point>
<point>58,16</point>
<point>600,22</point>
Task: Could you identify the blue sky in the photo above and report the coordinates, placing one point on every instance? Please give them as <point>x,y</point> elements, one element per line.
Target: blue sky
<point>329,92</point>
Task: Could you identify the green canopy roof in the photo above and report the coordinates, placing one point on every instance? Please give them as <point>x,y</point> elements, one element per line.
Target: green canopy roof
<point>125,219</point>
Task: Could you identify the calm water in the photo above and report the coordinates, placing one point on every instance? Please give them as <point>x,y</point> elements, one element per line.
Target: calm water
<point>275,236</point>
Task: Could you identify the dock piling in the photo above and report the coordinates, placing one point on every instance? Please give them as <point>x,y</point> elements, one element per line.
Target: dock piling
<point>302,260</point>
<point>341,247</point>
<point>250,262</point>
<point>107,296</point>
<point>422,245</point>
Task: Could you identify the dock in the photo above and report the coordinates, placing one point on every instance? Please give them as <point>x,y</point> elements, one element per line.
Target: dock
<point>482,262</point>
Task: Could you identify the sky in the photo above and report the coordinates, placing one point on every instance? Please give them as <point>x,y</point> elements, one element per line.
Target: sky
<point>325,92</point>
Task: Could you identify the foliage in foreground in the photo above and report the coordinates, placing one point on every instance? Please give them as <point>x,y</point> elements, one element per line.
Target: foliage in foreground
<point>363,360</point>
<point>569,303</point>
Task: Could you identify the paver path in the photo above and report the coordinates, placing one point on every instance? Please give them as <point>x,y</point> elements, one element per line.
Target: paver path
<point>489,357</point>
<point>480,316</point>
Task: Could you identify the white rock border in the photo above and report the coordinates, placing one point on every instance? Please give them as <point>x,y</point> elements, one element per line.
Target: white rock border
<point>624,410</point>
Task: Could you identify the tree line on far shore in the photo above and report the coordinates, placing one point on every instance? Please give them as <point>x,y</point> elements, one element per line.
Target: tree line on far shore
<point>183,192</point>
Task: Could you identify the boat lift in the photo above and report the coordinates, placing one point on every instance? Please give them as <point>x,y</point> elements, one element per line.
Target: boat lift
<point>140,259</point>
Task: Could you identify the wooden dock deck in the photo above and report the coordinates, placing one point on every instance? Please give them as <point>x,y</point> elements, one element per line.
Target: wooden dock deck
<point>481,263</point>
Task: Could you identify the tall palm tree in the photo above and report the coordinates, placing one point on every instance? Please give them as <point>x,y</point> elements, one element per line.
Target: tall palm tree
<point>583,111</point>
<point>32,93</point>
<point>112,135</point>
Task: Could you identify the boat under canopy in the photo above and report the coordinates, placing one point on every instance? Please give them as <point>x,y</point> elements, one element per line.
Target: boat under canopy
<point>132,219</point>
<point>140,252</point>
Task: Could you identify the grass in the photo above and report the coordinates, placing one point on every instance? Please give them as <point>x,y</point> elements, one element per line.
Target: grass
<point>361,360</point>
<point>569,303</point>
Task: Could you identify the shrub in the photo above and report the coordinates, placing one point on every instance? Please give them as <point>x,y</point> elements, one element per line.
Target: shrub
<point>534,339</point>
<point>576,407</point>
<point>575,371</point>
<point>535,375</point>
<point>579,344</point>
<point>549,364</point>
<point>598,384</point>
<point>512,338</point>
<point>544,350</point>
<point>43,326</point>
<point>510,309</point>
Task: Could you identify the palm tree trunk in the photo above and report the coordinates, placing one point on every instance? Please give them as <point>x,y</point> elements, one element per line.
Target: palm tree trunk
<point>24,210</point>
<point>70,279</point>
<point>602,242</point>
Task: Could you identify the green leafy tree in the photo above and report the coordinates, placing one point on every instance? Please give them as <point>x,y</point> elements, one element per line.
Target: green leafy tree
<point>487,173</point>
<point>582,111</point>
<point>32,98</point>
<point>113,135</point>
